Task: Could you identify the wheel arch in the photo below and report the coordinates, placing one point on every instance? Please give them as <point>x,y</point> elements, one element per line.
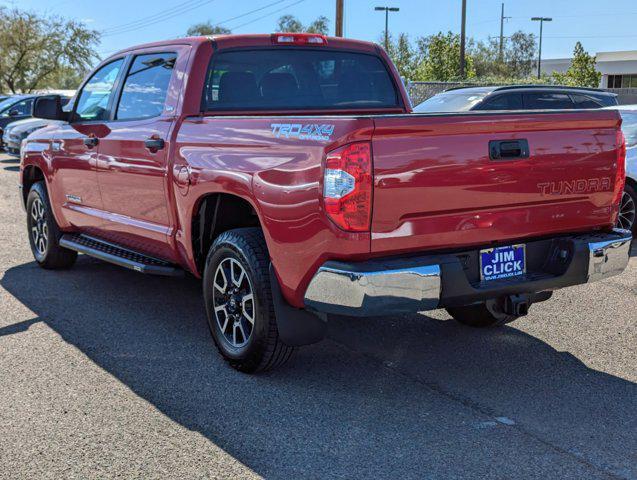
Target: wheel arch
<point>31,174</point>
<point>215,213</point>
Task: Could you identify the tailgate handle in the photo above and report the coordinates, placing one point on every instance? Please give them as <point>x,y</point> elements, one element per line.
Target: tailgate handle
<point>508,149</point>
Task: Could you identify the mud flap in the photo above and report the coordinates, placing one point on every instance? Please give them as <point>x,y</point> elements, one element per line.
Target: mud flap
<point>296,326</point>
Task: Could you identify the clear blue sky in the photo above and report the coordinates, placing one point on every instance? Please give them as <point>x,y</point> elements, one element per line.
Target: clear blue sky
<point>600,26</point>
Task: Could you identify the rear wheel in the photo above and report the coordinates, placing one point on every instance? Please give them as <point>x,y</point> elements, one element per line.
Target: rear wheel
<point>239,302</point>
<point>486,314</point>
<point>628,209</point>
<point>44,233</point>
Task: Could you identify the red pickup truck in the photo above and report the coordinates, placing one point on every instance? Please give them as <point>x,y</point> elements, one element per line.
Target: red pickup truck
<point>288,172</point>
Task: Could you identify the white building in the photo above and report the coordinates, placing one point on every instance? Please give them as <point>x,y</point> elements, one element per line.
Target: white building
<point>619,69</point>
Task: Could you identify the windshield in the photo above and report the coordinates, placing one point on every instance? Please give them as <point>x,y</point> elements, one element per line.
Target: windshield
<point>8,102</point>
<point>450,102</point>
<point>288,79</point>
<point>629,127</point>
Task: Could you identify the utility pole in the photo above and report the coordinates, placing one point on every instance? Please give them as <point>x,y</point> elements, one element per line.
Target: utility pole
<point>539,58</point>
<point>462,38</point>
<point>339,18</point>
<point>502,19</point>
<point>387,10</point>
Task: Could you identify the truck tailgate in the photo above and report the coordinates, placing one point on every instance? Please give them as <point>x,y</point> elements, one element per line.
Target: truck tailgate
<point>438,181</point>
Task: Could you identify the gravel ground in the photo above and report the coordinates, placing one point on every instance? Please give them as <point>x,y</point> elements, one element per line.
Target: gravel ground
<point>106,373</point>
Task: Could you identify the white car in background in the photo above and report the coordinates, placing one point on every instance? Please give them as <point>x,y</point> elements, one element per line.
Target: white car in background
<point>628,207</point>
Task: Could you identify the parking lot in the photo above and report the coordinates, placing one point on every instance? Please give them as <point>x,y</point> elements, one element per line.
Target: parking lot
<point>109,373</point>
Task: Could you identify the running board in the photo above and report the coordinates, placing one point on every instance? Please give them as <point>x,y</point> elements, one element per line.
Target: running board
<point>121,256</point>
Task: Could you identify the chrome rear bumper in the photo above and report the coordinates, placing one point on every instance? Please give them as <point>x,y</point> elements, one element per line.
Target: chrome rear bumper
<point>402,285</point>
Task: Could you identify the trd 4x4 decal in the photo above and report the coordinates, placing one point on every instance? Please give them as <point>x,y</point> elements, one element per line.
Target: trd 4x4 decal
<point>308,131</point>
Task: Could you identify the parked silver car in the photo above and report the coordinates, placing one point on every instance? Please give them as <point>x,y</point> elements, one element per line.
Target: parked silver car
<point>628,207</point>
<point>15,132</point>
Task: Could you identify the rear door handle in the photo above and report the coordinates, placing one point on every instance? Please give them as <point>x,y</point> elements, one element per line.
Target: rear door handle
<point>154,144</point>
<point>91,142</point>
<point>508,149</point>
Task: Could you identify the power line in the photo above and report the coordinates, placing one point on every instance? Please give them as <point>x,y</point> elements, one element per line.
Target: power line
<point>268,14</point>
<point>154,19</point>
<point>250,12</point>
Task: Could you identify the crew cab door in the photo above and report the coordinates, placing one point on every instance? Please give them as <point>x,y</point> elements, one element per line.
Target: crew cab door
<point>133,162</point>
<point>74,151</point>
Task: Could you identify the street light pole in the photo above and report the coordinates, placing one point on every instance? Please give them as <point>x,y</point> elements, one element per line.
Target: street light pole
<point>539,58</point>
<point>463,26</point>
<point>387,10</point>
<point>502,19</point>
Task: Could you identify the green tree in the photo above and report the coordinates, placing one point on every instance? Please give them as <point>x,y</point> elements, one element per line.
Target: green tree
<point>440,56</point>
<point>403,54</point>
<point>321,25</point>
<point>291,24</point>
<point>516,61</point>
<point>64,78</point>
<point>35,48</point>
<point>520,54</point>
<point>206,29</point>
<point>582,72</point>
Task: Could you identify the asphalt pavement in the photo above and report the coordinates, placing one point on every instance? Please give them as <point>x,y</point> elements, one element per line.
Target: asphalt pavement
<point>106,373</point>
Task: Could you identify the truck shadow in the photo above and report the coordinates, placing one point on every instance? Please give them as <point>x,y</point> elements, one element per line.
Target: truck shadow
<point>401,397</point>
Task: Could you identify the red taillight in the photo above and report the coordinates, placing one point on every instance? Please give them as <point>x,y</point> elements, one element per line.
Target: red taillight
<point>620,176</point>
<point>347,186</point>
<point>298,39</point>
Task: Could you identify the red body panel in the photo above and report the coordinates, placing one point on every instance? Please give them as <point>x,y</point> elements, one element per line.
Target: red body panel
<point>281,178</point>
<point>435,186</point>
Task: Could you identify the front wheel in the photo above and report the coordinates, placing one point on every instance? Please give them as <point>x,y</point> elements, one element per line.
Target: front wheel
<point>239,302</point>
<point>486,314</point>
<point>44,233</point>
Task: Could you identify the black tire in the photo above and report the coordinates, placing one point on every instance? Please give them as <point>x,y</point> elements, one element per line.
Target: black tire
<point>487,314</point>
<point>47,253</point>
<point>262,349</point>
<point>628,205</point>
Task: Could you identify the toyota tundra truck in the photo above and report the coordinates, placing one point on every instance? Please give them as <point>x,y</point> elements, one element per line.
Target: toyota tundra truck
<point>289,173</point>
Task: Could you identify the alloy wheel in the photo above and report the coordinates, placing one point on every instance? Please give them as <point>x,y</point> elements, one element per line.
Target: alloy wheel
<point>627,210</point>
<point>233,301</point>
<point>39,227</point>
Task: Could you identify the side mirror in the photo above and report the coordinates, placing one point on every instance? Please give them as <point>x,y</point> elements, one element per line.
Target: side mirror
<point>14,113</point>
<point>49,108</point>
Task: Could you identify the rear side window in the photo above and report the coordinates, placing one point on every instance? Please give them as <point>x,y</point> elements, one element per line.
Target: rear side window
<point>584,101</point>
<point>547,101</point>
<point>146,86</point>
<point>288,79</point>
<point>505,101</point>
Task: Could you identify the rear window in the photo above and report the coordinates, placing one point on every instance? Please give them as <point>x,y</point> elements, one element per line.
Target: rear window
<point>450,102</point>
<point>290,79</point>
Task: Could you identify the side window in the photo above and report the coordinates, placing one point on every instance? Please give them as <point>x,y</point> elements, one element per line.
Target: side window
<point>506,101</point>
<point>584,101</point>
<point>93,101</point>
<point>22,108</point>
<point>146,86</point>
<point>547,101</point>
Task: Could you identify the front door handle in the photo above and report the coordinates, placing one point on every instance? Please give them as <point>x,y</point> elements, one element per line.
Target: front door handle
<point>91,142</point>
<point>154,144</point>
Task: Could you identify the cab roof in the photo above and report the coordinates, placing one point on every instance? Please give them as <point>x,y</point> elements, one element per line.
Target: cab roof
<point>252,40</point>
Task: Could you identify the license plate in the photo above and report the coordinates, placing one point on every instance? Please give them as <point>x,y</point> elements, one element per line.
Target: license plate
<point>502,262</point>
